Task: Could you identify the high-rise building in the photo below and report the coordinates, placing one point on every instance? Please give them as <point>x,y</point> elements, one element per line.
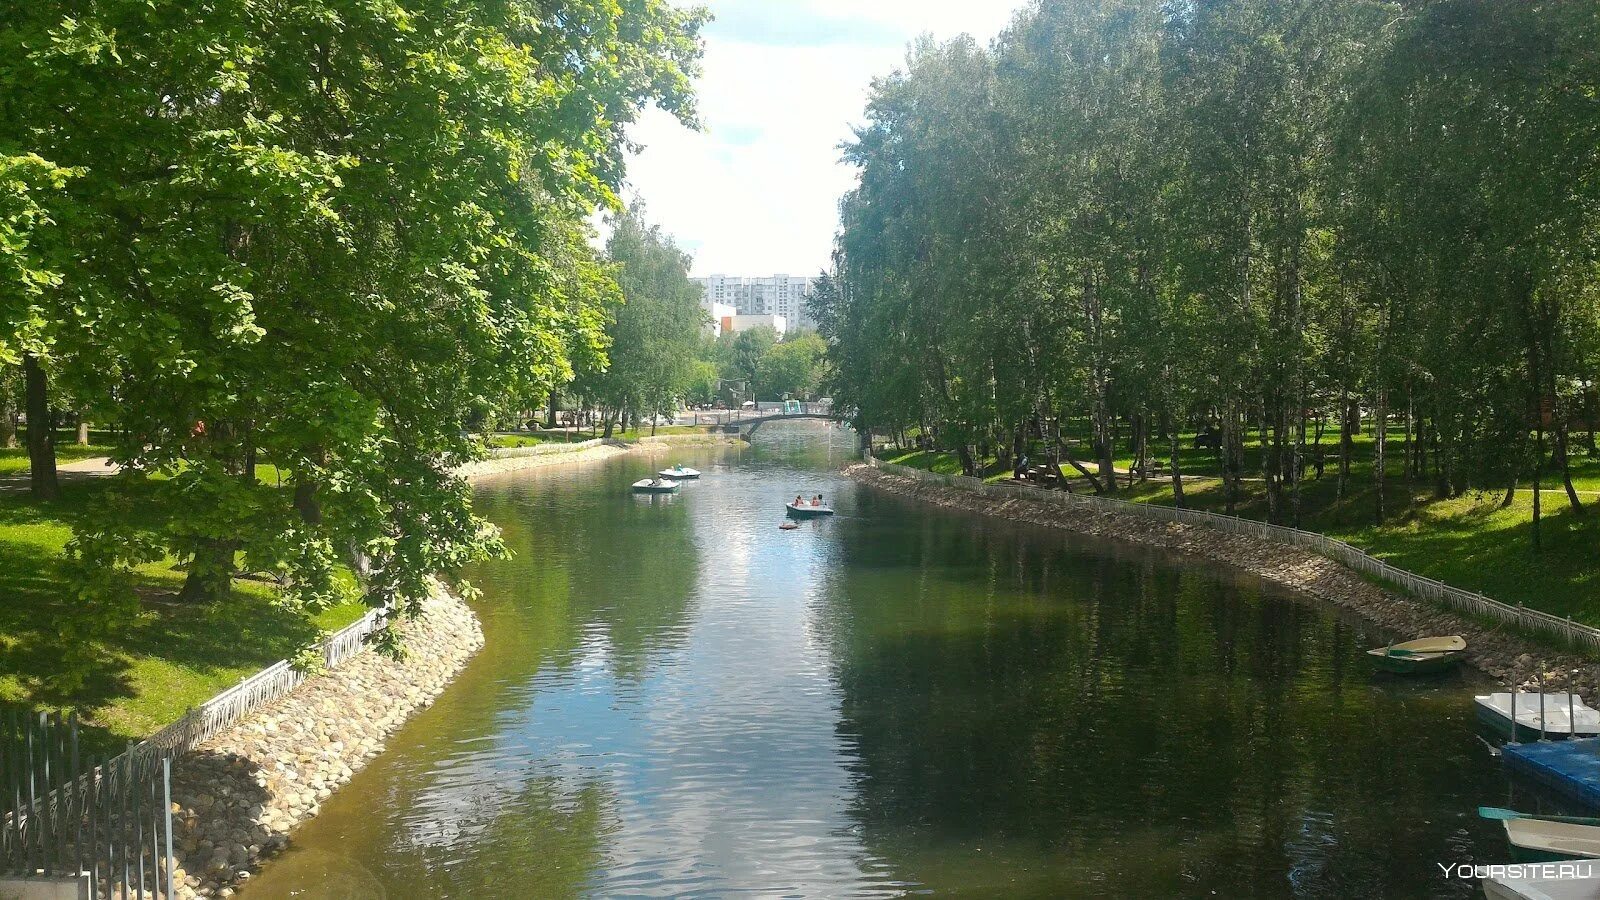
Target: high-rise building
<point>778,295</point>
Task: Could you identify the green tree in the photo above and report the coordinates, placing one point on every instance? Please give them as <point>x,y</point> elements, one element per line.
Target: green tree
<point>744,351</point>
<point>655,335</point>
<point>791,369</point>
<point>322,234</point>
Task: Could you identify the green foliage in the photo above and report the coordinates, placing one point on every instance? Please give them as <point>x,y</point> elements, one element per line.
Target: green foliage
<point>656,330</point>
<point>744,353</point>
<point>324,233</point>
<point>791,369</point>
<point>1252,216</point>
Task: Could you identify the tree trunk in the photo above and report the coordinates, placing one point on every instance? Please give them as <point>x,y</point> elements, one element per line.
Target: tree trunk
<point>1100,385</point>
<point>1061,450</point>
<point>1381,453</point>
<point>83,432</point>
<point>307,499</point>
<point>1229,458</point>
<point>1296,466</point>
<point>1538,482</point>
<point>8,419</point>
<point>1177,470</point>
<point>41,432</point>
<point>1349,414</point>
<point>969,466</point>
<point>210,575</point>
<point>1563,464</point>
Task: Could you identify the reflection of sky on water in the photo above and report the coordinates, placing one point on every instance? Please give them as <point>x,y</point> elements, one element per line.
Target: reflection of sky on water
<point>722,763</point>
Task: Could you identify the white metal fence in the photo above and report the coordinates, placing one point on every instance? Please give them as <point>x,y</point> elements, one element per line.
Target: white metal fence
<point>228,707</point>
<point>1575,635</point>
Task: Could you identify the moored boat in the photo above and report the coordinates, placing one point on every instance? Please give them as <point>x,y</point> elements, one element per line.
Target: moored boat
<point>1536,840</point>
<point>679,472</point>
<point>1433,654</point>
<point>655,486</point>
<point>1496,814</point>
<point>1537,715</point>
<point>806,511</point>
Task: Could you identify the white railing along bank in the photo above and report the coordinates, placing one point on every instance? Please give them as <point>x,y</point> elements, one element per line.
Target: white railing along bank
<point>1573,633</point>
<point>227,708</point>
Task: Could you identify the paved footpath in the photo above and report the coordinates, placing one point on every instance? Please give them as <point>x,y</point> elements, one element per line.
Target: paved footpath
<point>93,467</point>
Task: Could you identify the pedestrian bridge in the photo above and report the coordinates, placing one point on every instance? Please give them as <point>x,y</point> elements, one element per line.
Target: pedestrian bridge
<point>747,425</point>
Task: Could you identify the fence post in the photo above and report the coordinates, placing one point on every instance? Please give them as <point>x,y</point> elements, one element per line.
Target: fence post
<point>166,813</point>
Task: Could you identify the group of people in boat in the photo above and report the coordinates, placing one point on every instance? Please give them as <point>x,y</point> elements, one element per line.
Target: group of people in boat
<point>815,501</point>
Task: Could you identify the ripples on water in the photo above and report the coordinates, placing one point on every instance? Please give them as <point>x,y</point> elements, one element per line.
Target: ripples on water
<point>679,699</point>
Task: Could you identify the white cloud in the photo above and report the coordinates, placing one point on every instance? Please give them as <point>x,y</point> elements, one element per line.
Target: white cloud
<point>758,192</point>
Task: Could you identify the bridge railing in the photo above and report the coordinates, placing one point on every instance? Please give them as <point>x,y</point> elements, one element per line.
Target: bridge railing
<point>1573,634</point>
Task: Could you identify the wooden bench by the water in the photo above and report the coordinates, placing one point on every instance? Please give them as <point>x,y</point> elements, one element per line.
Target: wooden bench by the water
<point>1571,767</point>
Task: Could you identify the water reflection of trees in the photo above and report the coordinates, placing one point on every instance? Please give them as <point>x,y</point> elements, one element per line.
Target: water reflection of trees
<point>596,560</point>
<point>1030,716</point>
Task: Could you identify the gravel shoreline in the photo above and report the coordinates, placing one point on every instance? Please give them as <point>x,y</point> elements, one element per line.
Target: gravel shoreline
<point>237,796</point>
<point>1508,657</point>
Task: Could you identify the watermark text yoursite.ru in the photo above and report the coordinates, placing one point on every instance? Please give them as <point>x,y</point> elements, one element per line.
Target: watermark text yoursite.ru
<point>1523,871</point>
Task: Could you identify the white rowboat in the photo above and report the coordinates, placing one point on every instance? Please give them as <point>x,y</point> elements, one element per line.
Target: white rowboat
<point>1555,716</point>
<point>679,473</point>
<point>655,486</point>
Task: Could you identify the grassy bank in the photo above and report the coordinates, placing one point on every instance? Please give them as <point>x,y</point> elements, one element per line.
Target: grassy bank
<point>1468,541</point>
<point>171,657</point>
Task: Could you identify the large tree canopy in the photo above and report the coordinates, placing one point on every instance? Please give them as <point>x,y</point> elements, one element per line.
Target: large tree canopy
<point>318,234</point>
<point>1238,215</point>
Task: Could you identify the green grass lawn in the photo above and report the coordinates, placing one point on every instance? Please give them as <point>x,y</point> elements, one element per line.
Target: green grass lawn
<point>171,657</point>
<point>511,441</point>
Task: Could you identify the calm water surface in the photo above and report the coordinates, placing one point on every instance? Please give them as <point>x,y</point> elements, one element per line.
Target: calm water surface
<point>677,698</point>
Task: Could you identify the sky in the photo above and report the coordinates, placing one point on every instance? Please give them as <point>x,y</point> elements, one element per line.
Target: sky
<point>757,192</point>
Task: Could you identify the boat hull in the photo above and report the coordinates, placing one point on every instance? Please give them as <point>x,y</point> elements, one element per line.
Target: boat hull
<point>1414,664</point>
<point>808,512</point>
<point>685,475</point>
<point>1533,855</point>
<point>1535,840</point>
<point>1499,721</point>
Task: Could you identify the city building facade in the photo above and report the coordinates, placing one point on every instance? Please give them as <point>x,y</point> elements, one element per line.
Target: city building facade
<point>776,295</point>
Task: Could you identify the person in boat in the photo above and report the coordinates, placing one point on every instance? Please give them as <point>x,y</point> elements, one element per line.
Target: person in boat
<point>817,500</point>
<point>798,501</point>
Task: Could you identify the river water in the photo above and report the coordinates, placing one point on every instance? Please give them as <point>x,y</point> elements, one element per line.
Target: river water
<point>676,698</point>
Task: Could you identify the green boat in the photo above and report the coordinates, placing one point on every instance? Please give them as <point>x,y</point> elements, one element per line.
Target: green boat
<point>1421,656</point>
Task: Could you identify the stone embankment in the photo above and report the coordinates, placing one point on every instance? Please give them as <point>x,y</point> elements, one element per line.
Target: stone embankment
<point>1503,654</point>
<point>237,797</point>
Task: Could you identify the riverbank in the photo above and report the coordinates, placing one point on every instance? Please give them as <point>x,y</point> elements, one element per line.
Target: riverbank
<point>521,459</point>
<point>1472,541</point>
<point>237,797</point>
<point>1498,652</point>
